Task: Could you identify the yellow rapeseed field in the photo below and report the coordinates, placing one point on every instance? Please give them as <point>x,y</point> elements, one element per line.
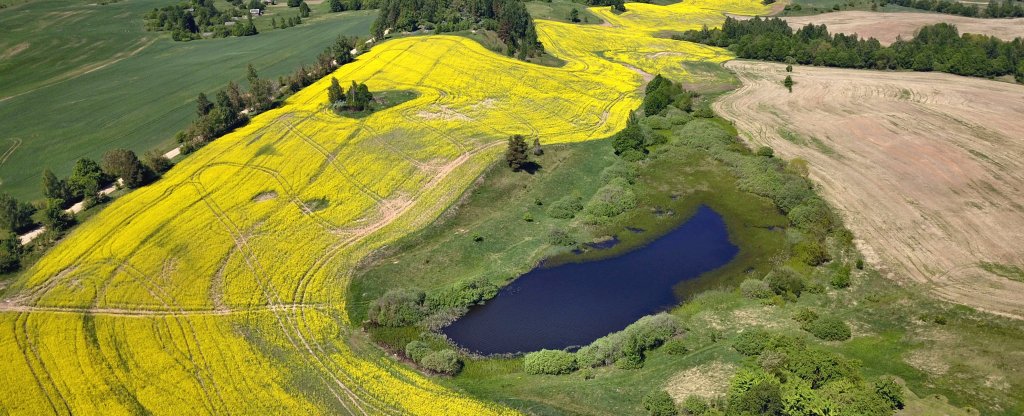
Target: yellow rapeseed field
<point>221,287</point>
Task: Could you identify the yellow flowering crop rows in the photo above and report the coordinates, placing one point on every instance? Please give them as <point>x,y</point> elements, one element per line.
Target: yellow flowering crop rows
<point>221,287</point>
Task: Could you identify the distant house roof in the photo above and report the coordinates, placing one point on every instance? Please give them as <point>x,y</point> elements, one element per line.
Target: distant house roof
<point>256,11</point>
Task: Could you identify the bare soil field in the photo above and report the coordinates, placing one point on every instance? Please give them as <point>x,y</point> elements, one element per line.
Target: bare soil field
<point>927,168</point>
<point>887,26</point>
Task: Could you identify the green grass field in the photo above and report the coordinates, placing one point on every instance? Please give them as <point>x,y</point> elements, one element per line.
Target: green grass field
<point>79,79</point>
<point>558,10</point>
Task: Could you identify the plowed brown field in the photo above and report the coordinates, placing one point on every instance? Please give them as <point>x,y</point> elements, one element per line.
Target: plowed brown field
<point>927,168</point>
<point>887,26</point>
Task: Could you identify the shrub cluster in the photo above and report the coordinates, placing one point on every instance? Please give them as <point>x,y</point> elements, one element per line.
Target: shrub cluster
<point>549,362</point>
<point>611,200</point>
<point>788,377</point>
<point>404,307</point>
<point>444,361</point>
<point>659,403</point>
<point>755,289</point>
<point>566,207</point>
<point>398,307</point>
<point>828,328</point>
<point>626,348</point>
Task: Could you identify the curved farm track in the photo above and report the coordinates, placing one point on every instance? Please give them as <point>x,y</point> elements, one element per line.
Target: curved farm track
<point>927,168</point>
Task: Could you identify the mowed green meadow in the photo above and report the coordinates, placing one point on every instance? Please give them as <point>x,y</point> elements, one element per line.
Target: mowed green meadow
<point>78,78</point>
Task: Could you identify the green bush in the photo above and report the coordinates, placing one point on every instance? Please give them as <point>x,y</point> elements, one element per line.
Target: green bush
<point>549,362</point>
<point>634,360</point>
<point>657,123</point>
<point>646,333</point>
<point>841,277</point>
<point>752,391</point>
<point>461,295</point>
<point>444,362</point>
<point>762,398</point>
<point>703,110</point>
<point>659,403</point>
<point>627,171</point>
<point>855,398</point>
<point>612,199</point>
<point>695,406</point>
<point>811,252</point>
<point>559,237</point>
<point>805,316</point>
<point>675,346</point>
<point>785,280</point>
<point>828,328</point>
<point>889,390</point>
<point>633,155</point>
<point>677,117</point>
<point>398,307</point>
<point>755,289</point>
<point>818,367</point>
<point>812,214</point>
<point>565,208</point>
<point>765,151</point>
<point>752,341</point>
<point>416,350</point>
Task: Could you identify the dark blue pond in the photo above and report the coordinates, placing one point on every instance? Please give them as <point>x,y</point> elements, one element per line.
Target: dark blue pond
<point>573,304</point>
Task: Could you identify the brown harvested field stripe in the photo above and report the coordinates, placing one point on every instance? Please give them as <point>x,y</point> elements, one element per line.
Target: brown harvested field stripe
<point>887,26</point>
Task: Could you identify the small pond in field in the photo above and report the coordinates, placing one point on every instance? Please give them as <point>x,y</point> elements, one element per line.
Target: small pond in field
<point>572,304</point>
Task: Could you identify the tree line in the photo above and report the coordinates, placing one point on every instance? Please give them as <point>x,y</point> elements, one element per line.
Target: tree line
<point>230,108</point>
<point>508,18</point>
<point>189,20</point>
<point>994,9</point>
<point>937,47</point>
<point>83,185</point>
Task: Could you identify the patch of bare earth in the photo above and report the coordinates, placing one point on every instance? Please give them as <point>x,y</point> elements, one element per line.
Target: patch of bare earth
<point>707,380</point>
<point>926,168</point>
<point>443,112</point>
<point>887,26</point>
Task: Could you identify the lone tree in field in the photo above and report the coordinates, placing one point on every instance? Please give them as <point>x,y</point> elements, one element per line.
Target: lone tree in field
<point>537,150</point>
<point>334,92</point>
<point>124,164</point>
<point>303,9</point>
<point>788,82</point>
<point>515,155</point>
<point>574,15</point>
